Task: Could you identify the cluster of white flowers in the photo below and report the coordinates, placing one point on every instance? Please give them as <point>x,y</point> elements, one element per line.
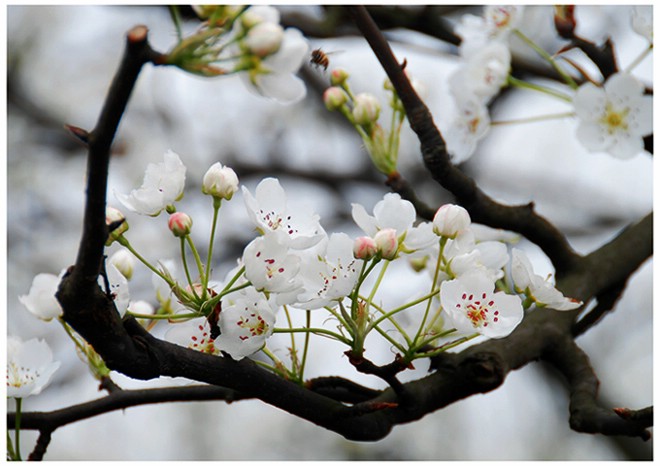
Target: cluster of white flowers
<point>250,42</point>
<point>294,263</point>
<point>485,66</point>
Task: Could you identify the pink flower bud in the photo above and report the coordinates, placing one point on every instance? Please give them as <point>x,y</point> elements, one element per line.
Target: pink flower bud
<point>264,39</point>
<point>338,76</point>
<point>451,220</point>
<point>220,182</point>
<point>334,97</point>
<point>364,247</point>
<point>366,109</point>
<point>387,242</point>
<point>180,224</point>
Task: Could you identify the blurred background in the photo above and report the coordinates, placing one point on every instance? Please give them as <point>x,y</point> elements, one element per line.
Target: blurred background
<point>60,63</point>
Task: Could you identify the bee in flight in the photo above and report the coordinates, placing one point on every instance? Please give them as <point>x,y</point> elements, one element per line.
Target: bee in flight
<point>320,59</point>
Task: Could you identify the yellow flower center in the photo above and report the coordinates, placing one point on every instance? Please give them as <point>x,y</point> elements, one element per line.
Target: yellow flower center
<point>615,120</point>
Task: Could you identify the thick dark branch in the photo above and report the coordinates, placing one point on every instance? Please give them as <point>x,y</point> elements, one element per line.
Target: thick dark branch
<point>86,307</point>
<point>586,414</point>
<point>482,208</point>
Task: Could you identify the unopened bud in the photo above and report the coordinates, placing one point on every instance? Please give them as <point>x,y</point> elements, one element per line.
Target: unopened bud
<point>124,261</point>
<point>387,242</point>
<point>334,97</point>
<point>364,247</point>
<point>338,76</point>
<point>366,109</point>
<point>450,220</point>
<point>264,39</point>
<point>180,224</point>
<point>116,222</point>
<point>220,182</point>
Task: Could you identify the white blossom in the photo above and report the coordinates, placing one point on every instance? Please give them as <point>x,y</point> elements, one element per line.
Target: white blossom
<point>163,184</point>
<point>41,300</point>
<point>269,211</point>
<point>30,366</point>
<point>614,118</point>
<point>469,125</point>
<point>540,290</point>
<point>220,181</point>
<point>329,274</point>
<point>642,21</point>
<point>471,305</point>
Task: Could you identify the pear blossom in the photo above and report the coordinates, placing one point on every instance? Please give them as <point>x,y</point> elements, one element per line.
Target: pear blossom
<point>540,290</point>
<point>30,366</point>
<point>330,274</point>
<point>483,74</point>
<point>194,334</point>
<point>614,118</point>
<point>469,125</point>
<point>246,321</point>
<point>269,266</point>
<point>41,300</point>
<point>464,255</point>
<point>269,212</point>
<point>495,25</point>
<point>275,75</point>
<point>396,213</point>
<point>119,291</point>
<point>451,220</point>
<point>390,212</point>
<point>471,305</point>
<point>163,184</point>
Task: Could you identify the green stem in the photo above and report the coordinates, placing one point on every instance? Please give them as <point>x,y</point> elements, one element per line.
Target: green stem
<point>519,83</point>
<point>546,56</point>
<point>294,355</point>
<point>185,267</point>
<point>216,208</point>
<point>198,261</point>
<point>639,59</point>
<point>535,119</point>
<point>176,19</point>
<point>316,331</point>
<point>387,316</point>
<point>308,324</point>
<point>124,242</point>
<point>443,242</point>
<point>445,347</point>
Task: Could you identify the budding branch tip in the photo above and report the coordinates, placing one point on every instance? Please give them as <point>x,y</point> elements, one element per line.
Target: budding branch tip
<point>138,34</point>
<point>80,134</point>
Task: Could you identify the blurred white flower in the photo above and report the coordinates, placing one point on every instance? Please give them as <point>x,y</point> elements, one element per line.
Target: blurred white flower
<point>541,291</point>
<point>495,25</point>
<point>118,288</point>
<point>124,261</point>
<point>642,21</point>
<point>269,212</point>
<point>30,366</point>
<point>469,125</point>
<point>163,184</point>
<point>614,118</point>
<point>482,74</point>
<point>471,306</point>
<point>41,300</point>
